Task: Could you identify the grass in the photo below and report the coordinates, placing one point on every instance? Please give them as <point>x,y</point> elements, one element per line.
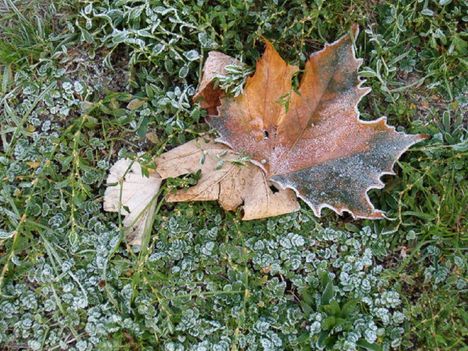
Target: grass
<point>83,84</point>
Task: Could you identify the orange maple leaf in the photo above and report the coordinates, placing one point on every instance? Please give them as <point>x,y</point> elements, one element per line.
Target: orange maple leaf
<point>310,140</point>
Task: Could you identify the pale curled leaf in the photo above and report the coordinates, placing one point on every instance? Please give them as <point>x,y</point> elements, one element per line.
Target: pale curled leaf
<point>129,189</point>
<point>233,184</point>
<point>312,140</point>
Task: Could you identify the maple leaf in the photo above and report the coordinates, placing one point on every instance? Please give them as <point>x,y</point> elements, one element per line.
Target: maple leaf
<point>310,140</point>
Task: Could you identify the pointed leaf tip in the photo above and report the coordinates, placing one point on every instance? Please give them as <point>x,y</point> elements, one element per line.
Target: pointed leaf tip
<point>354,31</point>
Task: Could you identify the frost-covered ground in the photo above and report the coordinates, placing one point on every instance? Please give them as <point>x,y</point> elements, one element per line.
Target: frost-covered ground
<point>83,84</point>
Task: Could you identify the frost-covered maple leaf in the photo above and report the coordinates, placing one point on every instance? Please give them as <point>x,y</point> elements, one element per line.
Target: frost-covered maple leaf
<point>310,140</point>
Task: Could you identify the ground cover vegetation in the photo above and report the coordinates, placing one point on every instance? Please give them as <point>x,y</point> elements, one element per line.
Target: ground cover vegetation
<point>85,83</point>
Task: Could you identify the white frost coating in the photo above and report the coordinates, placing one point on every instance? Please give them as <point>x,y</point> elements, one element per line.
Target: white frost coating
<point>377,179</point>
<point>379,185</point>
<point>132,190</point>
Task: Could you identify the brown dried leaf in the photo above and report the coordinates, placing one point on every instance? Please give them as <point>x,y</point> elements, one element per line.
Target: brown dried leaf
<point>312,140</point>
<point>209,96</point>
<point>224,179</point>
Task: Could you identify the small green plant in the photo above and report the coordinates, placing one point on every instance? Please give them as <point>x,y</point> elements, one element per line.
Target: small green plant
<point>234,79</point>
<point>333,318</point>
